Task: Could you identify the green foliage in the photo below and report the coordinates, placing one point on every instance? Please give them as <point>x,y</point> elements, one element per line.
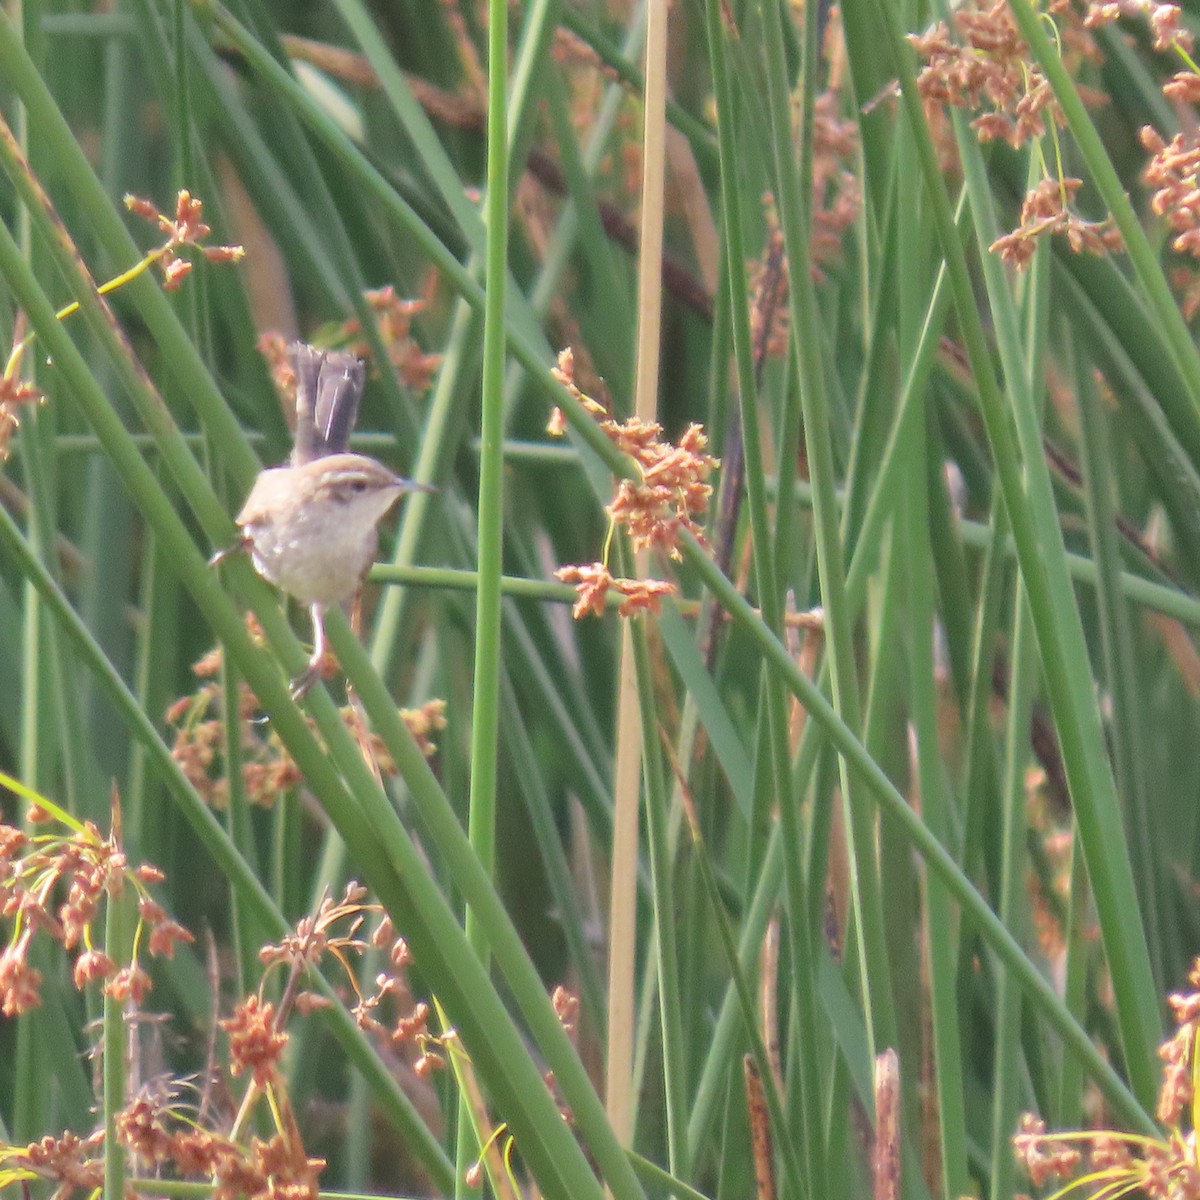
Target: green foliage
<point>950,812</point>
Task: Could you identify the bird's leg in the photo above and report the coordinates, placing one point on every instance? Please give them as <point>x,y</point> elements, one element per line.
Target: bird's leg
<point>359,725</point>
<point>312,672</point>
<point>355,615</point>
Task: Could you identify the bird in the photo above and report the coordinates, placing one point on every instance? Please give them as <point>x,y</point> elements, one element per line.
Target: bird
<point>311,527</point>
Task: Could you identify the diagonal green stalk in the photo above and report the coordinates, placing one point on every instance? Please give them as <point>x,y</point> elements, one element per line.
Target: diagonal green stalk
<point>444,829</point>
<point>936,856</point>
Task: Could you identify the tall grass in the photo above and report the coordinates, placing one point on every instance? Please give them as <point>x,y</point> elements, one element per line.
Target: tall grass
<point>906,763</point>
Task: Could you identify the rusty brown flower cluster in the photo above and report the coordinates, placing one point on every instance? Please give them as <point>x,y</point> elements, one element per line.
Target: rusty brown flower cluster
<point>15,394</point>
<point>54,884</point>
<point>836,200</point>
<point>268,771</point>
<point>276,1167</point>
<point>162,1135</point>
<point>1047,209</point>
<point>165,1136</point>
<point>988,71</point>
<point>566,1004</point>
<point>71,1162</point>
<point>1173,173</point>
<point>424,724</point>
<point>592,585</point>
<point>768,288</point>
<point>169,1137</point>
<point>837,193</point>
<point>672,488</point>
<point>566,1008</point>
<point>1048,890</point>
<point>185,227</point>
<point>1165,23</point>
<point>256,1044</point>
<point>985,67</point>
<point>337,929</point>
<point>393,318</point>
<point>1106,1162</point>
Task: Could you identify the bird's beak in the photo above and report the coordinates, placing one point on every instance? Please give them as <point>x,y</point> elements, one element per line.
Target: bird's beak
<point>411,485</point>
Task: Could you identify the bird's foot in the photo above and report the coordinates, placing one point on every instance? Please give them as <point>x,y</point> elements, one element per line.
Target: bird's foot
<point>300,686</point>
<point>322,665</point>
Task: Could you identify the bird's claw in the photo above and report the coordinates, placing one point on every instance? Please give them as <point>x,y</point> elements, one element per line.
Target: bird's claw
<point>302,684</point>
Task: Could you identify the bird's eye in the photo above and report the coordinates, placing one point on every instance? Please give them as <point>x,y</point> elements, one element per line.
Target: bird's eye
<point>359,486</point>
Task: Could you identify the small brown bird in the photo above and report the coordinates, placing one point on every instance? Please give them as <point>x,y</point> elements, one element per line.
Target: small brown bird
<point>312,526</point>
